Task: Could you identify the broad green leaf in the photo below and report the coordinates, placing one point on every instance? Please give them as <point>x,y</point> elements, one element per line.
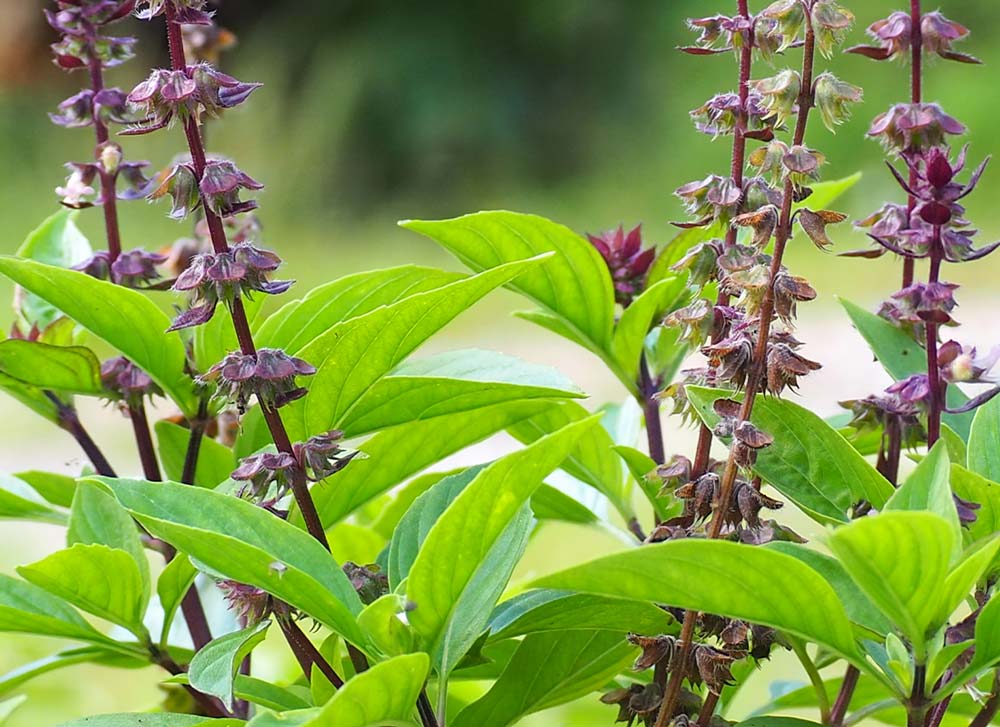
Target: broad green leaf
<point>987,653</point>
<point>297,323</point>
<point>383,696</point>
<point>593,459</point>
<point>124,318</point>
<point>826,193</point>
<point>30,396</point>
<point>70,657</point>
<point>810,463</point>
<point>637,320</point>
<point>20,501</point>
<point>976,488</point>
<point>984,459</point>
<point>60,368</point>
<point>100,580</point>
<point>928,489</point>
<point>858,606</point>
<point>210,342</point>
<point>755,584</point>
<point>402,499</point>
<point>776,722</point>
<point>574,284</point>
<point>351,356</point>
<point>55,488</point>
<point>97,518</point>
<point>380,620</point>
<point>901,357</point>
<point>414,526</point>
<point>548,610</point>
<point>560,327</point>
<point>643,470</point>
<point>548,670</point>
<point>213,668</point>
<point>57,241</point>
<point>7,707</point>
<point>293,718</point>
<point>403,451</point>
<point>446,568</point>
<point>171,587</point>
<point>247,544</point>
<point>965,575</point>
<point>25,608</point>
<point>900,560</point>
<point>257,691</point>
<point>151,719</point>
<point>548,503</point>
<point>215,461</point>
<point>453,382</point>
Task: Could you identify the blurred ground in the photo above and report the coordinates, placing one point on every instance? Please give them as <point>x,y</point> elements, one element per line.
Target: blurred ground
<point>378,111</point>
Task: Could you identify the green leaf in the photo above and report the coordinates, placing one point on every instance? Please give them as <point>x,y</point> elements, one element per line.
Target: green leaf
<point>31,397</point>
<point>987,653</point>
<point>381,621</point>
<point>638,318</point>
<point>57,241</point>
<point>398,453</point>
<point>965,575</point>
<point>900,560</point>
<point>453,382</point>
<point>901,357</point>
<point>20,501</point>
<point>448,565</point>
<point>124,318</point>
<point>976,488</point>
<point>8,706</point>
<point>351,356</point>
<point>213,668</point>
<point>55,488</point>
<point>810,463</point>
<point>71,657</point>
<point>299,322</point>
<point>215,461</point>
<point>643,470</point>
<point>755,584</point>
<point>151,719</point>
<point>390,514</point>
<point>383,696</point>
<point>414,526</point>
<point>97,518</point>
<point>574,284</point>
<point>545,610</point>
<point>28,609</point>
<point>984,459</point>
<point>547,670</point>
<point>100,580</point>
<point>60,368</point>
<point>247,544</point>
<point>593,459</point>
<point>257,691</point>
<point>858,606</point>
<point>928,489</point>
<point>776,722</point>
<point>826,193</point>
<point>548,503</point>
<point>171,587</point>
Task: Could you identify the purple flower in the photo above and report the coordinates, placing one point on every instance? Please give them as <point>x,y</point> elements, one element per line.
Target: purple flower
<point>76,111</point>
<point>250,604</point>
<point>963,364</point>
<point>258,472</point>
<point>124,381</point>
<point>914,127</point>
<point>723,113</point>
<point>96,266</point>
<point>322,456</point>
<point>190,12</point>
<point>220,188</point>
<point>214,277</point>
<point>626,259</point>
<point>921,303</point>
<point>711,198</point>
<point>914,390</point>
<point>270,374</point>
<point>135,268</point>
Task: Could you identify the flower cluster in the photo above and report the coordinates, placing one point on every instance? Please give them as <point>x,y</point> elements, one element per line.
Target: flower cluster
<point>270,374</point>
<point>267,476</point>
<point>627,260</point>
<point>226,276</point>
<point>125,382</point>
<point>893,37</point>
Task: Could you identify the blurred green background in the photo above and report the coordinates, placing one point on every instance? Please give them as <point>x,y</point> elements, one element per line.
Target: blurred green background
<point>378,111</point>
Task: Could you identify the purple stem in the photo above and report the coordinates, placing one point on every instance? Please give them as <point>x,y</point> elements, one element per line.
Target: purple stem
<point>69,420</point>
<point>937,385</point>
<point>144,442</point>
<point>109,194</point>
<point>651,409</point>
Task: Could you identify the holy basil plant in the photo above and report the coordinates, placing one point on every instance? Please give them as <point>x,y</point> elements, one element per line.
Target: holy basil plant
<point>297,489</point>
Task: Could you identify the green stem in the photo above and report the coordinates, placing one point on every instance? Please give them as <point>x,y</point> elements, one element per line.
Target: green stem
<point>822,698</point>
<point>868,710</point>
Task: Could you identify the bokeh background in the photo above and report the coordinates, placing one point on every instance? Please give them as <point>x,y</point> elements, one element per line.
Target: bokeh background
<point>375,111</point>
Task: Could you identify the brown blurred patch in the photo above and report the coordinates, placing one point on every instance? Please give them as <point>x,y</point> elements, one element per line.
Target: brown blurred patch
<point>22,41</point>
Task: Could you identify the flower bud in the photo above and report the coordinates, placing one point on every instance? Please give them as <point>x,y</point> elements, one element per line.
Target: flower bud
<point>780,94</point>
<point>833,98</point>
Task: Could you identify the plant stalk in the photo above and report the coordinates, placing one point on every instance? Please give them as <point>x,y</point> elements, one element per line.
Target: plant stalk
<point>936,384</point>
<point>109,194</point>
<point>241,324</point>
<point>916,707</point>
<point>144,442</point>
<point>756,376</point>
<point>985,715</point>
<point>651,409</point>
<point>843,701</point>
<point>708,709</point>
<point>916,96</point>
<point>305,651</point>
<point>69,420</point>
